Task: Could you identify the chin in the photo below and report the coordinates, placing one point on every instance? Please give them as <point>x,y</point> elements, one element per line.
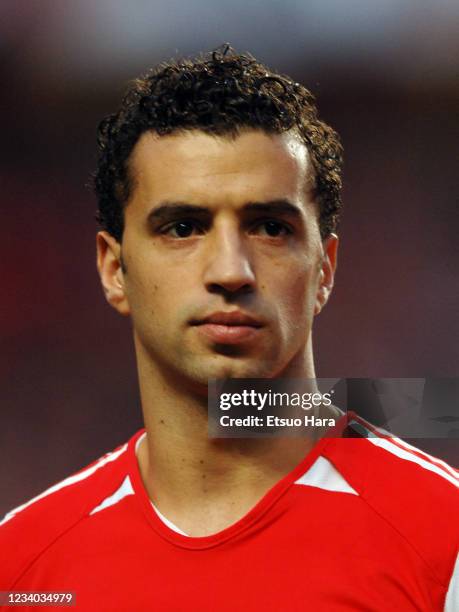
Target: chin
<point>239,369</point>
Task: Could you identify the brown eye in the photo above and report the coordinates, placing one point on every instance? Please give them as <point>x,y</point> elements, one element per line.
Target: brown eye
<point>181,229</point>
<point>273,229</point>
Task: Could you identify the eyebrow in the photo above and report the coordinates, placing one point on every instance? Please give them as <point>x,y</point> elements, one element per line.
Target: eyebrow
<point>167,209</point>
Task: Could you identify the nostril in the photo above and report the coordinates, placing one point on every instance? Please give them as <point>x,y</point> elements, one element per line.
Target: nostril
<point>228,289</point>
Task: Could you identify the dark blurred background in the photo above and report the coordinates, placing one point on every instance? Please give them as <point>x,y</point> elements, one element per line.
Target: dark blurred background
<point>386,77</point>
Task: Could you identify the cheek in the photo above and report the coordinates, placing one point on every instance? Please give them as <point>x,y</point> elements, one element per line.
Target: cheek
<point>144,290</point>
<point>156,297</point>
<point>298,304</point>
<point>296,289</point>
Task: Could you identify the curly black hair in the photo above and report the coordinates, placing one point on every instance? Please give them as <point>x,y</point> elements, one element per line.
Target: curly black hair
<point>219,93</point>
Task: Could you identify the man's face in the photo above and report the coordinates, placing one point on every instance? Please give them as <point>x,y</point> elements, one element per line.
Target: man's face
<point>217,227</point>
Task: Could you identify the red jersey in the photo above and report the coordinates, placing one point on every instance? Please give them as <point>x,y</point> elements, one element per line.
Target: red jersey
<point>362,523</point>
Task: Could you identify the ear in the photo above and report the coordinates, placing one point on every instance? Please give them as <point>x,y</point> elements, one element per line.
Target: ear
<point>327,271</point>
<point>111,272</point>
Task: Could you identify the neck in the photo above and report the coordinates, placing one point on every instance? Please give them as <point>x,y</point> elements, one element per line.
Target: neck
<point>187,474</point>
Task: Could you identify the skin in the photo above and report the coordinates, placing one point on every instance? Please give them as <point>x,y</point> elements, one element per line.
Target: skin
<point>174,268</point>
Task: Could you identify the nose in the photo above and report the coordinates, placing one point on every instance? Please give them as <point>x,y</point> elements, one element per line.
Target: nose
<point>228,269</point>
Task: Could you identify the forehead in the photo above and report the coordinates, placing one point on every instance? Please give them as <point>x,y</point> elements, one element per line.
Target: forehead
<point>207,169</point>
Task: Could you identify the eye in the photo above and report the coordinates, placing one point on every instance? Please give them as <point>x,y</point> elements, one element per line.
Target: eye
<point>273,228</point>
<point>182,229</point>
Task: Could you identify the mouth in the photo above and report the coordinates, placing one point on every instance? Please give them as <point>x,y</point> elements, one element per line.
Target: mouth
<point>229,327</point>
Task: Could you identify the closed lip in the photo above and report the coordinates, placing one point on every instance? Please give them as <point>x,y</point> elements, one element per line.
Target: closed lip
<point>233,318</point>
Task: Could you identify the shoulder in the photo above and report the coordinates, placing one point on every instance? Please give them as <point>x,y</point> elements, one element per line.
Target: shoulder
<point>415,493</point>
<point>31,528</point>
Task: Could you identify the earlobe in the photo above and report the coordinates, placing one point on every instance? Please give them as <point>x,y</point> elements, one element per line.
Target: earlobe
<point>110,272</point>
<point>321,298</point>
<point>327,271</point>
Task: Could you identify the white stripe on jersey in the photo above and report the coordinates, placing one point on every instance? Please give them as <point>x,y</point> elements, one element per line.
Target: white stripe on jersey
<point>124,490</point>
<point>452,597</point>
<point>439,462</point>
<point>67,482</point>
<point>324,475</point>
<point>441,468</point>
<point>410,456</point>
